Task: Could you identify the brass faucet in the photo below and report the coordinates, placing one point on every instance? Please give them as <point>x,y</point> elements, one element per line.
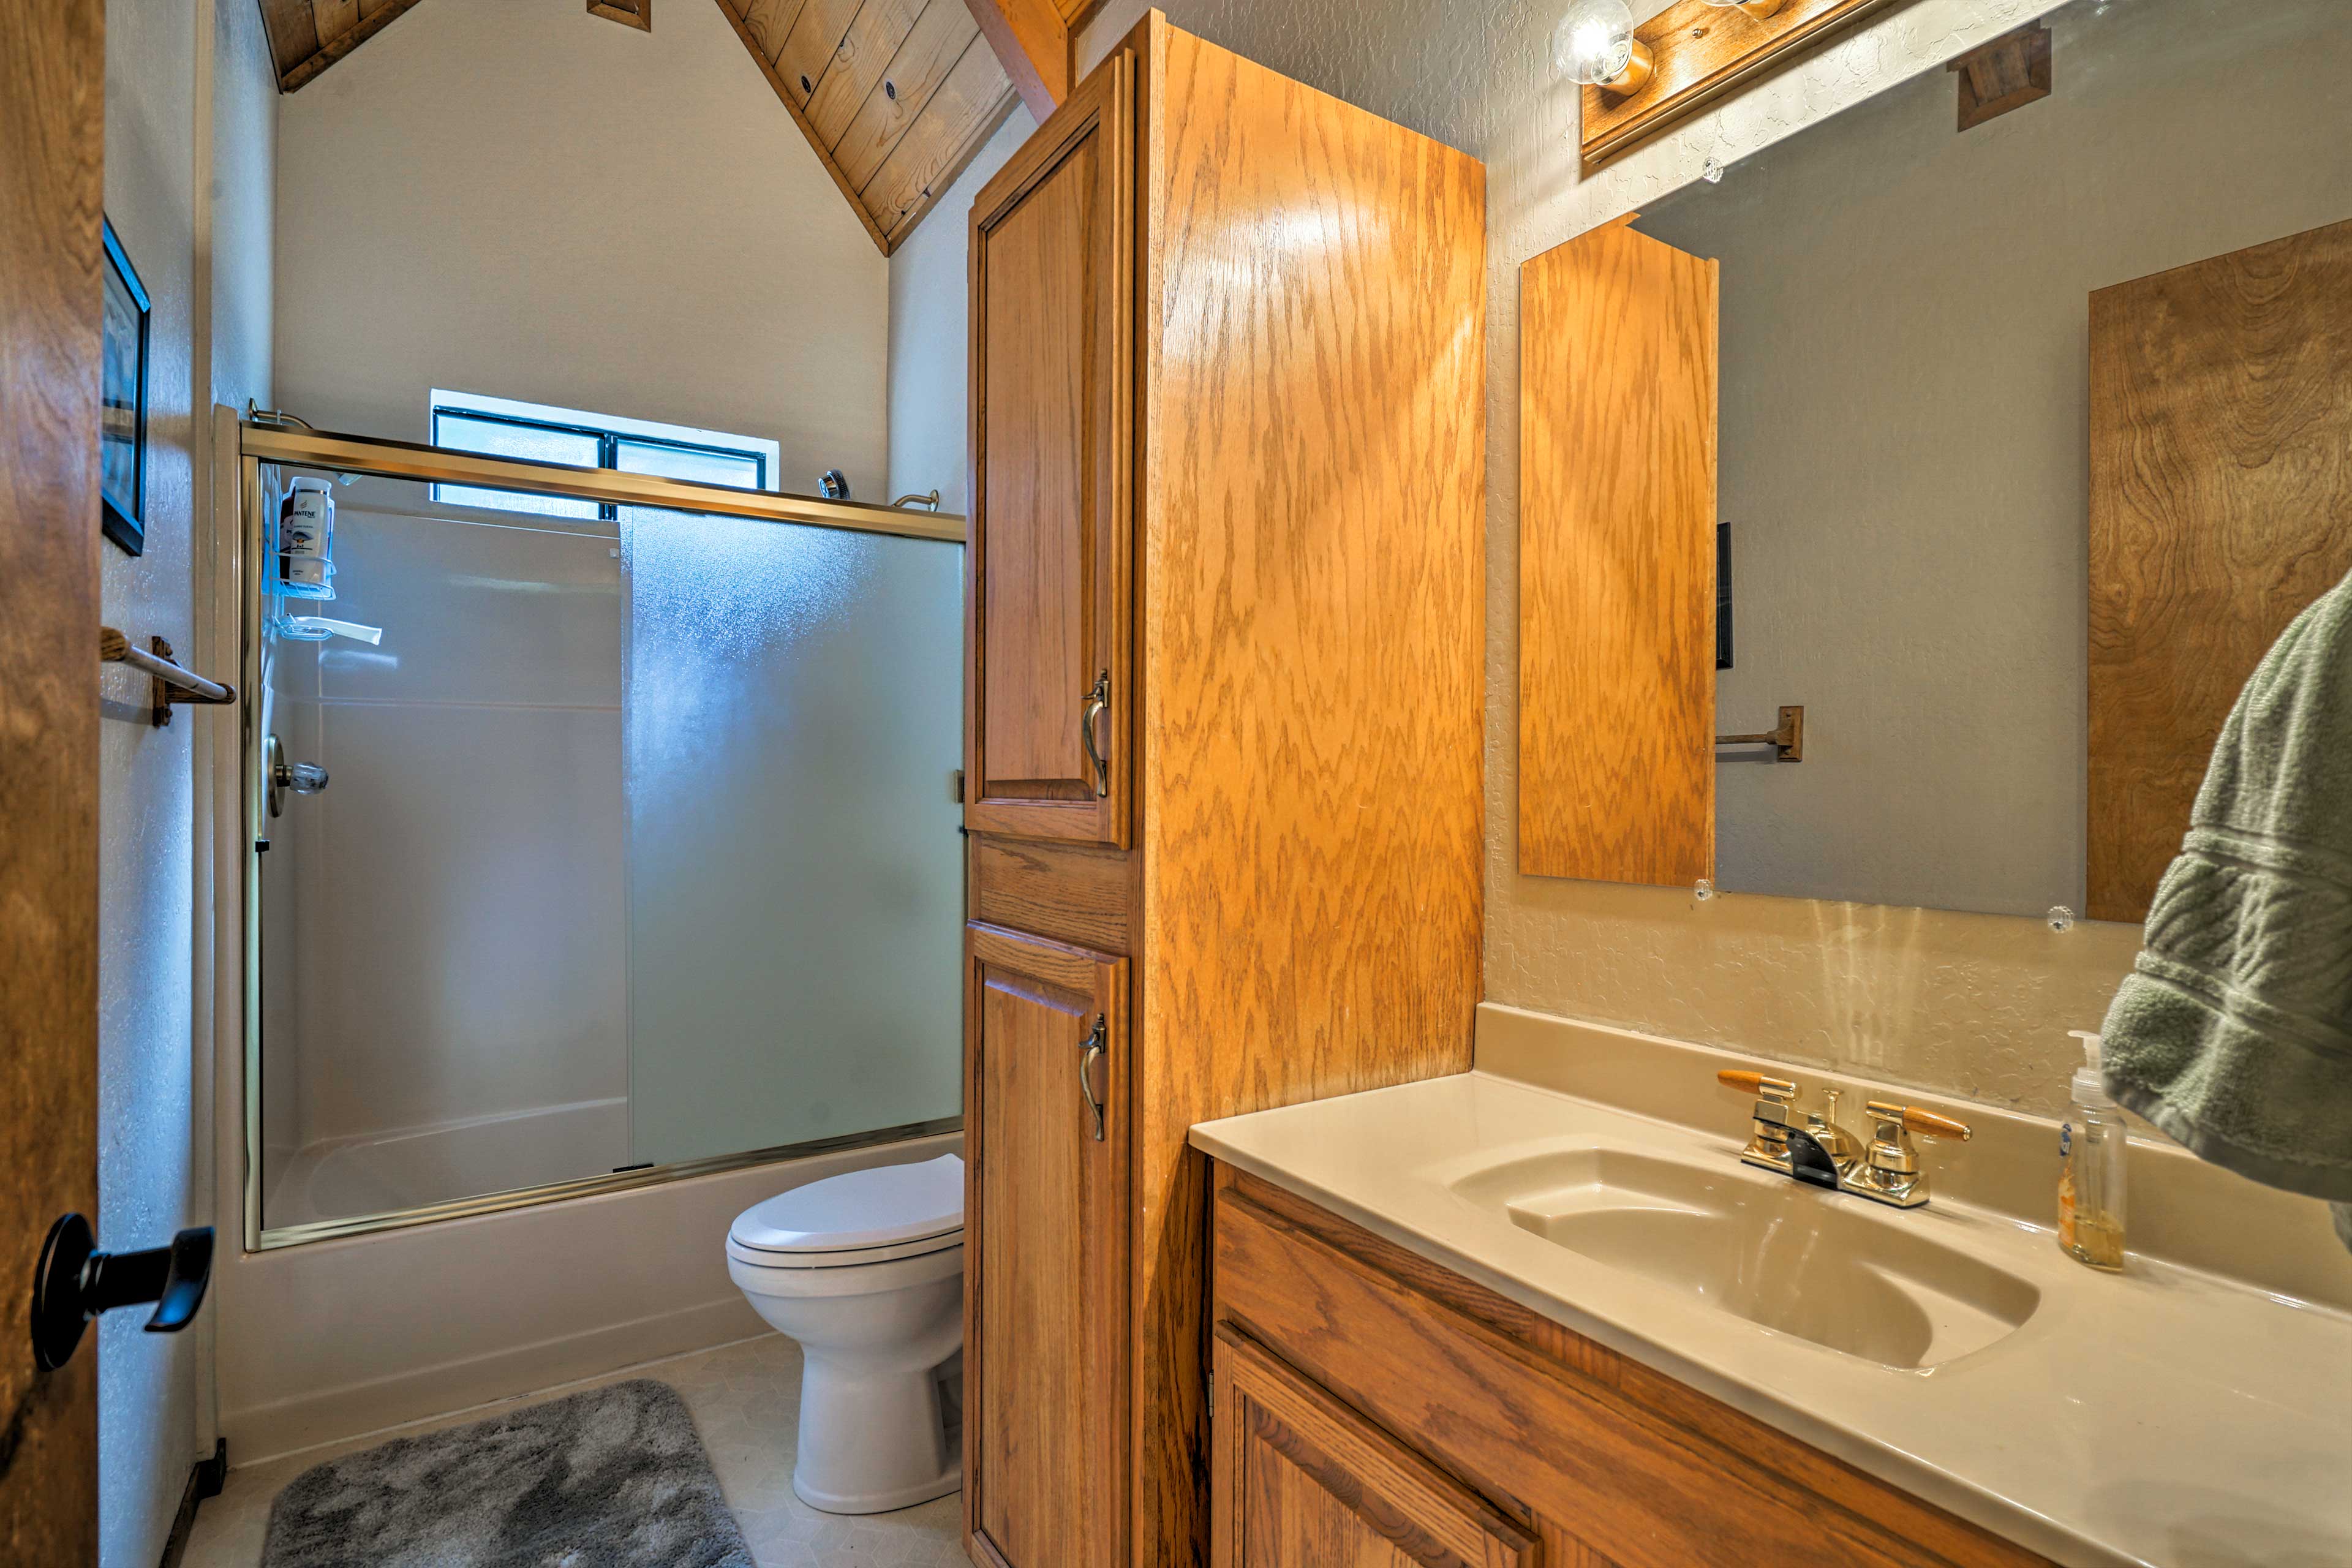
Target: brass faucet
<point>1815,1149</point>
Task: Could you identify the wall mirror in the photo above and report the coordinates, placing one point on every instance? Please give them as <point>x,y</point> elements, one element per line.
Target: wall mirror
<point>1999,423</point>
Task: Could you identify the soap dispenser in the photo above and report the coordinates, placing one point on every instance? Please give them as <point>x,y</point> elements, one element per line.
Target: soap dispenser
<point>2091,1187</point>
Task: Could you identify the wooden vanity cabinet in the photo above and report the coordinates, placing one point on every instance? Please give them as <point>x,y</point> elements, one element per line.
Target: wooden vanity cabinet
<point>1227,524</point>
<point>1373,1407</point>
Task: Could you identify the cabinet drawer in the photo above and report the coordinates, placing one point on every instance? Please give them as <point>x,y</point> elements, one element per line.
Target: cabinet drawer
<point>1636,1467</point>
<point>1068,891</point>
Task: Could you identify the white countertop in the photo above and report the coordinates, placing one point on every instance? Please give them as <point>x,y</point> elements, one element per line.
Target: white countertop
<point>2163,1416</point>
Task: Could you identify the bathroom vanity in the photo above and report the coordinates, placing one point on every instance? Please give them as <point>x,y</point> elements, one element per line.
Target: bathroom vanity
<point>1479,1320</point>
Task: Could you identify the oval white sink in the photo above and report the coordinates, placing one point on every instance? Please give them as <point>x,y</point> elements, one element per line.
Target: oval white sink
<point>1828,1267</point>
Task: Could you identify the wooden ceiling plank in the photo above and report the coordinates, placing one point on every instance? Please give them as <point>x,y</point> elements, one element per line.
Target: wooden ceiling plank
<point>809,50</point>
<point>734,12</point>
<point>941,37</point>
<point>369,23</point>
<point>293,35</point>
<point>336,19</point>
<point>1032,42</point>
<point>966,110</point>
<point>871,43</point>
<point>770,23</point>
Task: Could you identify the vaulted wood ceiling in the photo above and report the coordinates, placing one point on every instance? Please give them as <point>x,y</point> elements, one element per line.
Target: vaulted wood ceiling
<point>895,96</point>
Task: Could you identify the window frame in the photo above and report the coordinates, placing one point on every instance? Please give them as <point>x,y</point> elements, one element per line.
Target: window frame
<point>609,439</point>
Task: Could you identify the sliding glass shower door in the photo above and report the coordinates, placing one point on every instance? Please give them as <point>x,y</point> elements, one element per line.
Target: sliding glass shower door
<point>629,841</point>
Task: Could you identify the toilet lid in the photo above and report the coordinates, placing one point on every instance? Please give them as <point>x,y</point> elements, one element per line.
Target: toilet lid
<point>882,1207</point>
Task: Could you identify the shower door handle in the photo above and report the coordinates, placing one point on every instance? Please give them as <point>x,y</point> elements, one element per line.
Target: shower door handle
<point>74,1282</point>
<point>1097,704</point>
<point>1091,1052</point>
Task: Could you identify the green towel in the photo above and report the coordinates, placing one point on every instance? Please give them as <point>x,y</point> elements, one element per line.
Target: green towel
<point>2233,1032</point>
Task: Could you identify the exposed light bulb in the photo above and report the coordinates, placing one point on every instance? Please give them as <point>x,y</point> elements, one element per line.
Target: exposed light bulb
<point>1594,45</point>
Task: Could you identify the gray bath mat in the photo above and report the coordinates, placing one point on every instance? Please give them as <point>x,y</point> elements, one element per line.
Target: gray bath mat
<point>614,1477</point>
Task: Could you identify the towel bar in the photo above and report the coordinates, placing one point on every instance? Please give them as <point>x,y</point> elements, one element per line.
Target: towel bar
<point>174,683</point>
<point>1787,740</point>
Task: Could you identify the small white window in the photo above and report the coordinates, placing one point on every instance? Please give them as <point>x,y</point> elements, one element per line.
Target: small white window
<point>540,434</point>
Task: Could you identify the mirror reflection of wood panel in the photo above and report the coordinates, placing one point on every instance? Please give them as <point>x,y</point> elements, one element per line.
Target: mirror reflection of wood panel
<point>2221,507</point>
<point>1617,561</point>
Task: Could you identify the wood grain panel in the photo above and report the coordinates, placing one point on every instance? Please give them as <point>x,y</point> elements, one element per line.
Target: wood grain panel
<point>1073,892</point>
<point>52,98</point>
<point>1617,474</point>
<point>1046,1260</point>
<point>793,99</point>
<point>864,52</point>
<point>306,36</point>
<point>1704,51</point>
<point>970,103</point>
<point>1313,593</point>
<point>766,24</point>
<point>808,50</point>
<point>2220,508</point>
<point>934,45</point>
<point>1647,1473</point>
<point>1304,1480</point>
<point>1049,586</point>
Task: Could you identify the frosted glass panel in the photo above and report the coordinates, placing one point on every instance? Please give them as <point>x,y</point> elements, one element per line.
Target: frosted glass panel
<point>792,720</point>
<point>507,438</point>
<point>686,463</point>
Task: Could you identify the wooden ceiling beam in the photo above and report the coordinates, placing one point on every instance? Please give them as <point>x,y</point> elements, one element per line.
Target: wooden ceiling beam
<point>1035,41</point>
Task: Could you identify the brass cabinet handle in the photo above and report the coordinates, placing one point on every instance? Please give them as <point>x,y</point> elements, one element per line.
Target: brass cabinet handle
<point>1091,1050</point>
<point>1098,703</point>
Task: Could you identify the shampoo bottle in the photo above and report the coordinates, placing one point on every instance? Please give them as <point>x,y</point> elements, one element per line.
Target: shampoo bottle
<point>2091,1187</point>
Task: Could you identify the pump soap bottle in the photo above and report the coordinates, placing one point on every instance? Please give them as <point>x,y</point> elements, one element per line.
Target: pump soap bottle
<point>2091,1187</point>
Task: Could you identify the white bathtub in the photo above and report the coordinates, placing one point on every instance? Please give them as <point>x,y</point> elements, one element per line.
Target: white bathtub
<point>374,1173</point>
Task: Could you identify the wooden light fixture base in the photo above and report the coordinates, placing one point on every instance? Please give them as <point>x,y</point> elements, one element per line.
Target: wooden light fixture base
<point>1700,52</point>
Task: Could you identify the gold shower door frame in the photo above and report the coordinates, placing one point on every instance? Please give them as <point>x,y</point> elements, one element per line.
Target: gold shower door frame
<point>332,453</point>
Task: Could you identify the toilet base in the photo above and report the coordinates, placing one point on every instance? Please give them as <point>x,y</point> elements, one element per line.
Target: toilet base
<point>871,1441</point>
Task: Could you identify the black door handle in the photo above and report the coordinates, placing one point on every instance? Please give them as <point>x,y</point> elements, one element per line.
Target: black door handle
<point>74,1282</point>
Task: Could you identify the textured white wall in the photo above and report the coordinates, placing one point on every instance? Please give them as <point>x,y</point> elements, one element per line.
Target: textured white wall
<point>931,323</point>
<point>190,120</point>
<point>520,199</point>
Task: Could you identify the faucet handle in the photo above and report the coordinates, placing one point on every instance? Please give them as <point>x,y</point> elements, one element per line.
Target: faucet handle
<point>1894,1119</point>
<point>1756,1084</point>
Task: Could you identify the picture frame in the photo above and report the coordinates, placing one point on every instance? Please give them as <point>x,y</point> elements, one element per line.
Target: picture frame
<point>122,401</point>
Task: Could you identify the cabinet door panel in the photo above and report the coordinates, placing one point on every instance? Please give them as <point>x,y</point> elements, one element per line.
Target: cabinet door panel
<point>1300,1478</point>
<point>1052,329</point>
<point>1045,1253</point>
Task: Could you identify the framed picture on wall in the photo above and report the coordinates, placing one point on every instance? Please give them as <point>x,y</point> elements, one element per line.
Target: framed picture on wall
<point>123,397</point>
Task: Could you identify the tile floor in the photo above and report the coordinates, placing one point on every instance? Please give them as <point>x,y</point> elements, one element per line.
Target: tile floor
<point>746,1401</point>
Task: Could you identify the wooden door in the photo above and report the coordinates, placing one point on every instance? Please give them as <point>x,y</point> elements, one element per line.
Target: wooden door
<point>51,102</point>
<point>1617,518</point>
<point>1050,696</point>
<point>1302,1479</point>
<point>1045,1228</point>
<point>2220,508</point>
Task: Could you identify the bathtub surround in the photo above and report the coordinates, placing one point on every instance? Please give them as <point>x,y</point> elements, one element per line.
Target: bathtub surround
<point>607,1478</point>
<point>190,144</point>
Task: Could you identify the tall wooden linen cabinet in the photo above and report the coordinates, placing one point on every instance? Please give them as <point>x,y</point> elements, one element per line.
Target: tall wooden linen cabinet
<point>1223,768</point>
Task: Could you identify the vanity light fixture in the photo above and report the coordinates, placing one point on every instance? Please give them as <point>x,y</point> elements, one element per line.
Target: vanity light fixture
<point>1594,46</point>
<point>1759,9</point>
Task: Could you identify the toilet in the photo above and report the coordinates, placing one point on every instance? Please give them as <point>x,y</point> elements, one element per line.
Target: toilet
<point>866,1270</point>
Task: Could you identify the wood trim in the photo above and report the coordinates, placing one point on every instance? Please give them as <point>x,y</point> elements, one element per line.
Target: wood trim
<point>1073,892</point>
<point>1641,1468</point>
<point>1035,41</point>
<point>735,17</point>
<point>52,126</point>
<point>637,13</point>
<point>1703,52</point>
<point>305,37</point>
